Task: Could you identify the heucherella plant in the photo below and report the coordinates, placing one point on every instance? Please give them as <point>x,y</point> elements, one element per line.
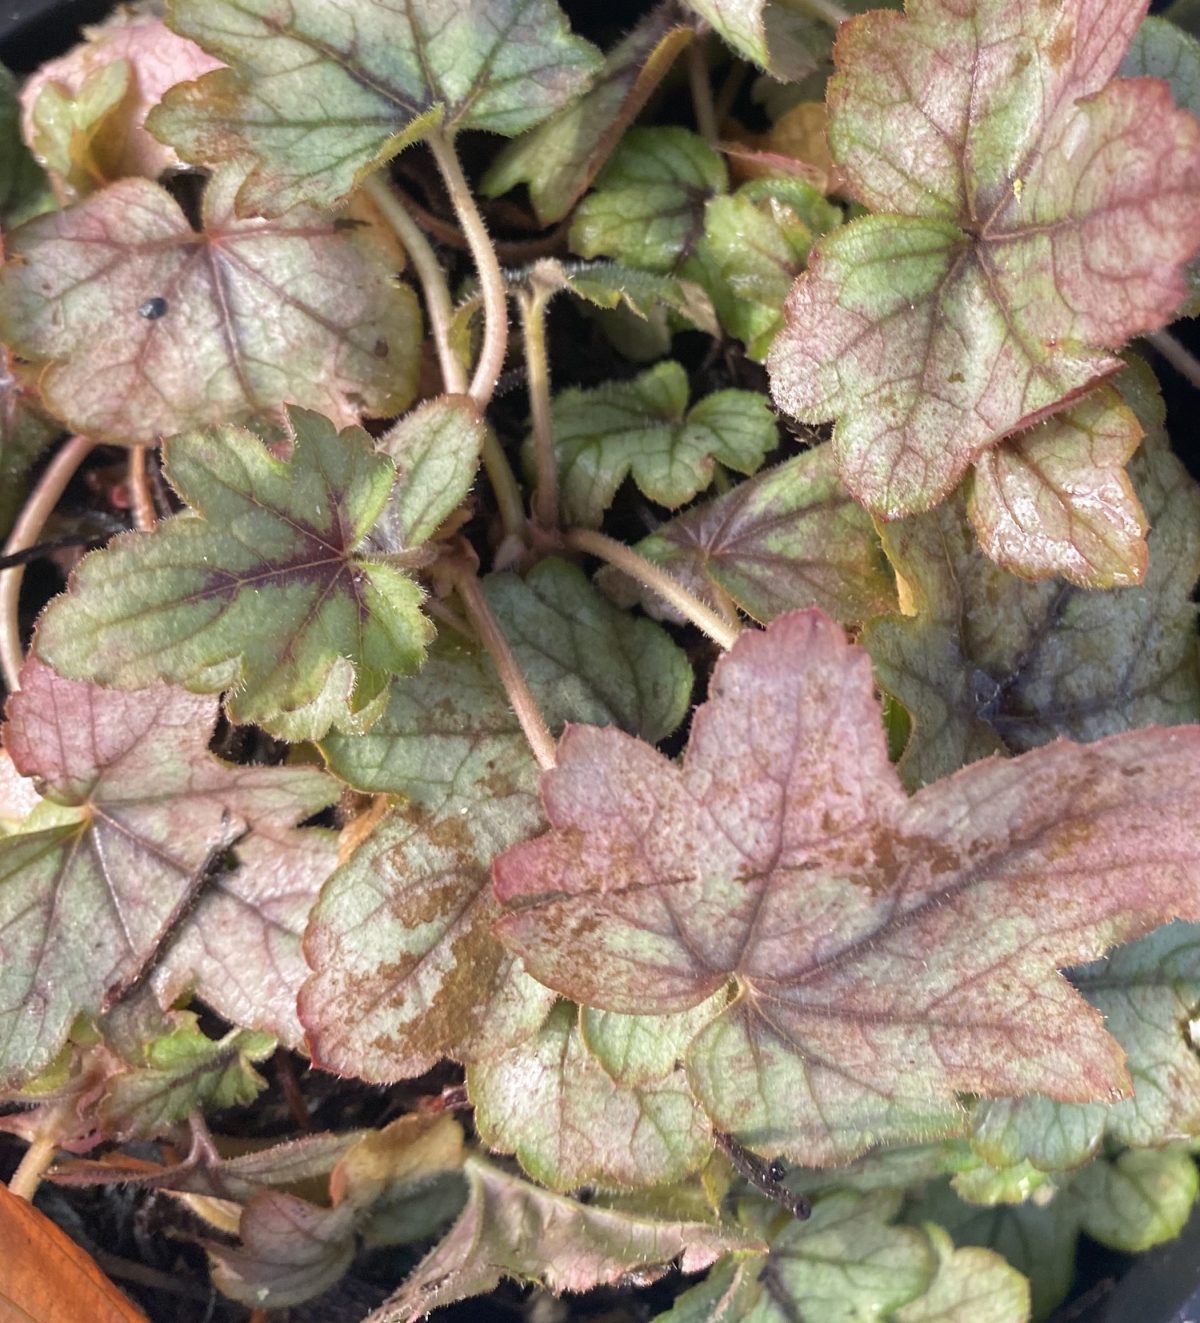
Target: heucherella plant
<point>628,648</point>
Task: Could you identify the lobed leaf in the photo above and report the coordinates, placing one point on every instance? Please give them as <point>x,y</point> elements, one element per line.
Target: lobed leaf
<point>405,967</point>
<point>184,1072</point>
<point>784,856</point>
<point>989,663</point>
<point>774,34</point>
<point>846,1261</point>
<point>264,587</point>
<point>195,318</point>
<point>647,210</point>
<point>1056,498</point>
<point>1147,992</point>
<point>319,95</point>
<point>560,157</point>
<point>788,538</point>
<point>570,1124</point>
<point>97,878</point>
<point>644,429</point>
<point>1035,214</point>
<point>510,1228</point>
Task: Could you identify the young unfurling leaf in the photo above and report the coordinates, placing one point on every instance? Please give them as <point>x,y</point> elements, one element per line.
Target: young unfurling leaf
<point>887,953</point>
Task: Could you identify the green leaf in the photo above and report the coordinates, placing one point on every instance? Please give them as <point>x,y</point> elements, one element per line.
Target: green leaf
<point>784,855</point>
<point>24,190</point>
<point>323,94</point>
<point>552,1104</point>
<point>561,157</point>
<point>845,1262</point>
<point>577,1246</point>
<point>971,1284</point>
<point>643,1049</point>
<point>982,298</point>
<point>610,286</point>
<point>989,663</point>
<point>643,428</point>
<point>1147,992</point>
<point>104,868</point>
<point>25,431</point>
<point>260,588</point>
<point>778,35</point>
<point>1140,1200</point>
<point>647,209</point>
<point>195,320</point>
<point>788,538</point>
<point>1056,499</point>
<point>184,1072</point>
<point>406,969</point>
<point>1160,49</point>
<point>436,451</point>
<point>756,241</point>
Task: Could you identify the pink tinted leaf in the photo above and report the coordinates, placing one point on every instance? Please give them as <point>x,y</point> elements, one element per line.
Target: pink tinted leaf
<point>81,147</point>
<point>240,952</point>
<point>1036,214</point>
<point>194,319</point>
<point>1057,500</point>
<point>510,1228</point>
<point>138,807</point>
<point>888,953</point>
<point>552,1104</point>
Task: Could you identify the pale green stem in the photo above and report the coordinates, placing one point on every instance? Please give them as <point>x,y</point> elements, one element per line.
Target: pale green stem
<point>25,532</point>
<point>701,89</point>
<point>429,272</point>
<point>537,370</point>
<point>657,580</point>
<point>504,484</point>
<point>140,501</point>
<point>1178,355</point>
<point>37,1158</point>
<point>491,281</point>
<point>533,724</point>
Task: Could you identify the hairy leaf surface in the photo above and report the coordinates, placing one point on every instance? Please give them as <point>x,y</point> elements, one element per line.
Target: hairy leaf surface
<point>318,94</point>
<point>135,808</point>
<point>406,969</point>
<point>513,1229</point>
<point>1035,213</point>
<point>263,587</point>
<point>788,538</point>
<point>553,1105</point>
<point>989,663</point>
<point>194,319</point>
<point>1147,992</point>
<point>888,953</point>
<point>644,429</point>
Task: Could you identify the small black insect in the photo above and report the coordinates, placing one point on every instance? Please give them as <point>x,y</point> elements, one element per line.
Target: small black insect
<point>153,308</point>
<point>777,1171</point>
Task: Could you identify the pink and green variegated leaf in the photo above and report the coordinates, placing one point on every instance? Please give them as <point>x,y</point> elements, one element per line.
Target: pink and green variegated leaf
<point>105,867</point>
<point>1034,215</point>
<point>317,94</point>
<point>511,1228</point>
<point>267,586</point>
<point>1056,499</point>
<point>552,1103</point>
<point>887,953</point>
<point>143,326</point>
